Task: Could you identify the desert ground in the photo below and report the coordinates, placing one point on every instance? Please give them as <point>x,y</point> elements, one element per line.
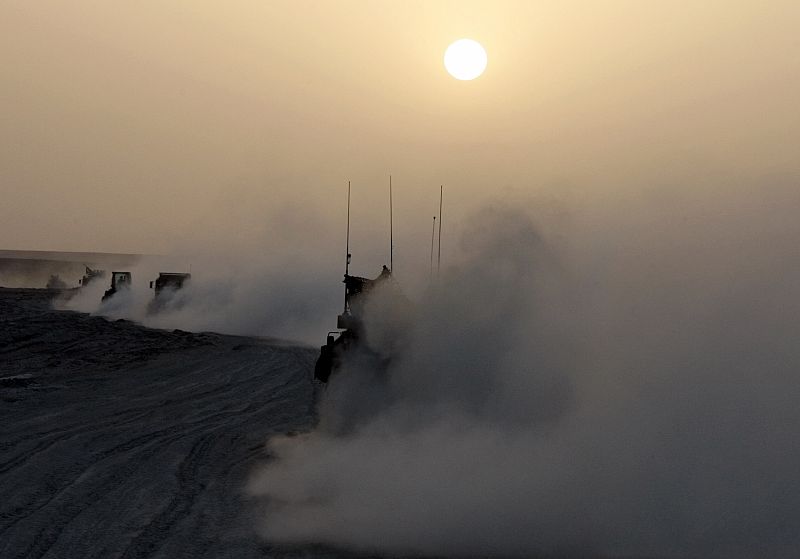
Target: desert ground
<point>122,441</point>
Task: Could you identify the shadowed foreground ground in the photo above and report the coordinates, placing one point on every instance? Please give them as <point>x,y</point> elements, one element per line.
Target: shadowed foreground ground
<point>119,441</point>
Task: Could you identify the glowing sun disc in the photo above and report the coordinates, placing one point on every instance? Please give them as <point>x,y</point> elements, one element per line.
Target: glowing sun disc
<point>465,59</point>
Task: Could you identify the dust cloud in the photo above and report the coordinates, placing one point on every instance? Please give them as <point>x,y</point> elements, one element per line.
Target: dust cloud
<point>243,298</point>
<point>613,383</point>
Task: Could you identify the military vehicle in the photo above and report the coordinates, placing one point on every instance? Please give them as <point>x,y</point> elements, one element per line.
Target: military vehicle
<point>119,281</point>
<point>348,340</point>
<point>91,275</point>
<point>351,323</point>
<point>343,344</point>
<point>165,286</point>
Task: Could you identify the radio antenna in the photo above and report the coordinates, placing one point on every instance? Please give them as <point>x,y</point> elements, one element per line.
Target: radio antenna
<point>347,257</point>
<point>391,229</point>
<point>433,236</point>
<point>439,258</point>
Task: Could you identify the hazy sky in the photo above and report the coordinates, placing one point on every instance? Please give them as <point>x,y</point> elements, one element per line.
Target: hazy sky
<point>136,126</point>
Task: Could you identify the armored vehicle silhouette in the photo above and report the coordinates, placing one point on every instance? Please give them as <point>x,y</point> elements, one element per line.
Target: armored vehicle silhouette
<point>91,275</point>
<point>350,322</point>
<point>348,343</point>
<point>165,286</point>
<point>119,281</point>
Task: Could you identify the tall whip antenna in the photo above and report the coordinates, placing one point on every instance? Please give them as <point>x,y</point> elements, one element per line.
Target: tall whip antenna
<point>391,229</point>
<point>433,236</point>
<point>347,258</point>
<point>439,258</point>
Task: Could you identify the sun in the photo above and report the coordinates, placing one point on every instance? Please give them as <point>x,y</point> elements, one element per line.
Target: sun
<point>465,59</point>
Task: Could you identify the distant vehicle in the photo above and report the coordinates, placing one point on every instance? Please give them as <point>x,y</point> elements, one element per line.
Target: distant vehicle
<point>91,275</point>
<point>119,281</point>
<point>55,282</point>
<point>165,286</point>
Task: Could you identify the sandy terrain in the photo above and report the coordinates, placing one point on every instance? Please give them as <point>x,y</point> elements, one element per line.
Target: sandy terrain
<point>120,441</point>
